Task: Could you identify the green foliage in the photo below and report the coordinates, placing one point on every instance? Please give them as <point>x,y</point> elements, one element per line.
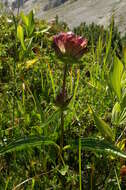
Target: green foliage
<point>103,127</point>
<point>100,145</point>
<point>118,115</point>
<point>115,76</point>
<point>20,35</point>
<point>93,31</point>
<point>24,143</point>
<point>30,79</point>
<point>29,23</point>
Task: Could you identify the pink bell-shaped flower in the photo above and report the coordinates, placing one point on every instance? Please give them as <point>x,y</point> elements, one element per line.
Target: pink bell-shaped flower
<point>68,44</point>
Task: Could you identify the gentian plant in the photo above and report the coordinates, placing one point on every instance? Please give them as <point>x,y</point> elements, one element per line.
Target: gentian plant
<point>69,48</point>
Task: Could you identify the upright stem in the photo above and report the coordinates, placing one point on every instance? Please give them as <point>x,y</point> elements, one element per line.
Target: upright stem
<point>80,177</point>
<point>62,112</point>
<point>62,131</point>
<point>15,56</point>
<point>64,81</point>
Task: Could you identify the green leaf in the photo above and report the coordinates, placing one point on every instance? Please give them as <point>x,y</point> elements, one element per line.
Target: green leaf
<point>41,32</point>
<point>123,100</point>
<point>103,127</point>
<point>20,35</point>
<point>28,22</point>
<point>24,18</point>
<point>31,24</point>
<point>99,145</point>
<point>122,119</point>
<point>31,18</point>
<point>116,113</point>
<point>25,142</point>
<point>115,76</point>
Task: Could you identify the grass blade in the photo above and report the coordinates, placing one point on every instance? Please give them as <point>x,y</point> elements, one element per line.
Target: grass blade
<point>103,127</point>
<point>25,142</point>
<point>99,145</point>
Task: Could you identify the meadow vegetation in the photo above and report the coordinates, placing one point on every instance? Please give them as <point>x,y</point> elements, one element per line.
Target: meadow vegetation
<point>57,139</point>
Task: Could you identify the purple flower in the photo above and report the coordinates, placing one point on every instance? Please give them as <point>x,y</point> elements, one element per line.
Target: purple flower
<point>68,44</point>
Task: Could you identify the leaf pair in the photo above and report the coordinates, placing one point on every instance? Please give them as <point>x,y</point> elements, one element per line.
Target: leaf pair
<point>29,27</point>
<point>28,23</point>
<point>93,144</point>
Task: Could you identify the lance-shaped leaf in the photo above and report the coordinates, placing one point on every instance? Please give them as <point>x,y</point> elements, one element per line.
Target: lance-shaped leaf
<point>20,35</point>
<point>103,127</point>
<point>24,18</point>
<point>25,142</point>
<point>116,113</point>
<point>31,24</point>
<point>28,22</point>
<point>99,145</point>
<point>115,76</point>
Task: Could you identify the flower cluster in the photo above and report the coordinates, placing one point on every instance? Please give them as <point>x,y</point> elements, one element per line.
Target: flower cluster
<point>68,44</point>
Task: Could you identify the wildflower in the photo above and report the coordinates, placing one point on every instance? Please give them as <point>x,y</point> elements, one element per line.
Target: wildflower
<point>70,45</point>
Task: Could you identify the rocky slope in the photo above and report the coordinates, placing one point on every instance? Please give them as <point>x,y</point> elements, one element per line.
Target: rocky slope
<point>76,11</point>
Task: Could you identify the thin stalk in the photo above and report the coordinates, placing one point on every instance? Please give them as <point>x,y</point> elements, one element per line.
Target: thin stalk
<point>77,77</point>
<point>14,89</point>
<point>62,111</point>
<point>64,81</point>
<point>80,177</point>
<point>92,175</point>
<point>62,130</point>
<point>60,155</point>
<point>117,179</point>
<point>23,95</point>
<point>14,68</point>
<point>52,80</point>
<point>71,81</point>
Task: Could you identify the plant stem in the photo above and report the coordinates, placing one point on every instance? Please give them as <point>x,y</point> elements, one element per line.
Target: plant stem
<point>62,130</point>
<point>80,177</point>
<point>64,81</point>
<point>117,179</point>
<point>15,56</point>
<point>62,111</point>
